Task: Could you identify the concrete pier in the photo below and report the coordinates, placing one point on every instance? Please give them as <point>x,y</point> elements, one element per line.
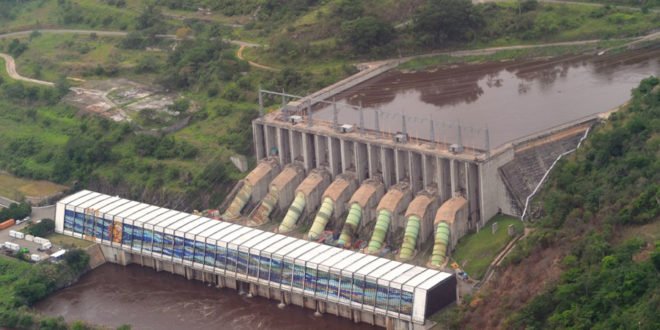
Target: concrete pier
<point>308,193</point>
<point>422,210</point>
<point>253,188</point>
<point>281,192</point>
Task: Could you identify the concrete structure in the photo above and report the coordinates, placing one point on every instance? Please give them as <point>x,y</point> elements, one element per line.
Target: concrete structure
<point>419,223</point>
<point>307,200</point>
<point>253,188</point>
<point>328,279</point>
<point>281,192</point>
<point>390,212</point>
<point>333,208</point>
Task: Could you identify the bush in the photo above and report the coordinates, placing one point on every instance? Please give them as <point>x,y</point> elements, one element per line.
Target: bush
<point>42,229</point>
<point>77,260</point>
<point>367,32</point>
<point>16,211</point>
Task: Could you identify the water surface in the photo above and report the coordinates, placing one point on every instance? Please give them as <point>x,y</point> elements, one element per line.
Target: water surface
<point>113,295</point>
<point>512,99</point>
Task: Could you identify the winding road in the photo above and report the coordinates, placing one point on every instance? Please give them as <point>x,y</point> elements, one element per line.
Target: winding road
<point>10,65</point>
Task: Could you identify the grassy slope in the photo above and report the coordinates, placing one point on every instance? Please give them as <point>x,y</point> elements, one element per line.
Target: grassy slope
<point>476,251</point>
<point>79,55</point>
<point>15,188</point>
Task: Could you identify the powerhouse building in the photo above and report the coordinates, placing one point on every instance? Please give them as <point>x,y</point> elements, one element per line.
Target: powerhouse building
<point>323,273</point>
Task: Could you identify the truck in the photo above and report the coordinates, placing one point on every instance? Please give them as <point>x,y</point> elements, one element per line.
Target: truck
<point>16,234</point>
<point>7,224</point>
<point>12,246</point>
<point>45,246</point>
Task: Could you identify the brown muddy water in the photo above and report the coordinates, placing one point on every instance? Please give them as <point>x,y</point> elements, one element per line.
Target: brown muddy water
<point>512,99</point>
<point>113,295</point>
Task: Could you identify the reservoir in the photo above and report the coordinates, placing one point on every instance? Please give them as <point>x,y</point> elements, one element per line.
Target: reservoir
<point>113,295</point>
<point>513,99</point>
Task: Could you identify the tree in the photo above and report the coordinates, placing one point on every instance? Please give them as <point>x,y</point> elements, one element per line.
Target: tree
<point>62,86</point>
<point>77,259</point>
<point>367,32</point>
<point>42,229</point>
<point>183,33</point>
<point>150,18</point>
<point>446,20</point>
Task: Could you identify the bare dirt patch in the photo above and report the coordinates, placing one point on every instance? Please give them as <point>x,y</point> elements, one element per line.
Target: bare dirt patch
<point>123,100</point>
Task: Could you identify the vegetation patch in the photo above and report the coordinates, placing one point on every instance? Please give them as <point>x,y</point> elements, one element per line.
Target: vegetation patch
<point>16,188</point>
<point>476,251</point>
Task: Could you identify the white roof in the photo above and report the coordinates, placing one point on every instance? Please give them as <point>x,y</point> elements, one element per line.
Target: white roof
<point>248,235</point>
<point>71,198</point>
<point>278,245</point>
<point>289,247</point>
<point>353,267</point>
<point>161,217</point>
<point>387,272</point>
<point>114,205</point>
<point>202,227</point>
<point>327,254</point>
<point>105,202</point>
<point>269,242</point>
<point>343,254</point>
<point>134,208</point>
<point>307,252</point>
<point>173,219</point>
<point>208,232</point>
<point>408,275</point>
<point>437,278</point>
<point>151,215</point>
<point>91,202</point>
<point>235,234</point>
<point>115,212</point>
<point>264,235</point>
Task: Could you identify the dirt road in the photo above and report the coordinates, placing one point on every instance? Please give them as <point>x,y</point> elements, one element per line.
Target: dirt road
<point>10,65</point>
<point>239,54</point>
<point>106,34</point>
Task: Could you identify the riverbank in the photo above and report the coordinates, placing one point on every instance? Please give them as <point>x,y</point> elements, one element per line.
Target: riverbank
<point>22,284</point>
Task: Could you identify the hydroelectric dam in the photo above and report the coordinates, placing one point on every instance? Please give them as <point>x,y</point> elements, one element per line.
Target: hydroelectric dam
<point>363,189</point>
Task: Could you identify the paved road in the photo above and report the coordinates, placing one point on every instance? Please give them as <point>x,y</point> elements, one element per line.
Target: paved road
<point>10,65</point>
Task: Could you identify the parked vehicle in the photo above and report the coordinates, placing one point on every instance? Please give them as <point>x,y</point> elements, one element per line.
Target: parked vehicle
<point>12,246</point>
<point>16,234</point>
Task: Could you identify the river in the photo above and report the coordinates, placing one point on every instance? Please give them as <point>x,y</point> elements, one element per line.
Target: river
<point>512,99</point>
<point>113,295</point>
